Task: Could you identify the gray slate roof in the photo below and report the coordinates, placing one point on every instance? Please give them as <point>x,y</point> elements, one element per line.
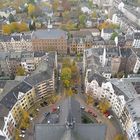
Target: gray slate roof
<point>61,131</point>
<point>49,34</point>
<point>80,132</point>
<point>100,79</point>
<point>12,96</point>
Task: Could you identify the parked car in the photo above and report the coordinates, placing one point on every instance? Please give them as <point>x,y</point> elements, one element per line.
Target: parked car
<point>45,103</point>
<point>23,131</point>
<point>89,111</point>
<point>107,113</point>
<point>46,114</point>
<point>22,135</point>
<point>110,116</point>
<point>82,108</point>
<point>94,115</point>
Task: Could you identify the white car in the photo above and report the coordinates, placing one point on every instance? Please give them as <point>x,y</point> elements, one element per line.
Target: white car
<point>22,135</point>
<point>110,116</point>
<point>31,118</point>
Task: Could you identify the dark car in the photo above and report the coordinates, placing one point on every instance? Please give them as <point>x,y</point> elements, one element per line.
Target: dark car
<point>46,114</point>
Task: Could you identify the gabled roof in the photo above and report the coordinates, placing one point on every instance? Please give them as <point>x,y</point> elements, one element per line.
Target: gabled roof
<point>100,79</point>
<point>79,132</point>
<point>11,97</point>
<point>49,34</point>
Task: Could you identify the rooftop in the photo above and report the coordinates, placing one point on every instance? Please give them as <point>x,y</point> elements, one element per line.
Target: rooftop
<point>49,34</point>
<point>76,131</point>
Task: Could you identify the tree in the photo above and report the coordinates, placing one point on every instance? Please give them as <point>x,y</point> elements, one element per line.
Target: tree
<point>23,27</point>
<point>6,29</point>
<point>115,34</point>
<point>70,92</point>
<point>104,105</point>
<point>17,134</point>
<point>89,99</point>
<point>20,71</point>
<point>94,14</point>
<point>31,9</point>
<point>55,5</point>
<point>25,119</point>
<point>66,76</point>
<point>120,137</point>
<point>66,15</point>
<point>66,62</point>
<point>11,18</point>
<point>120,74</point>
<point>82,19</point>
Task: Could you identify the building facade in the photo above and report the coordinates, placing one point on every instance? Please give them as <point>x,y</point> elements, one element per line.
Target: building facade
<point>50,40</point>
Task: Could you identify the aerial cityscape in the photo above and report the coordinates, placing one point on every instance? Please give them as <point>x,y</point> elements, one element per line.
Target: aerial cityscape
<point>69,69</point>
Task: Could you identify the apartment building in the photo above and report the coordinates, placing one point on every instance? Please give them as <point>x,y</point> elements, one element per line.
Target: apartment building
<point>16,42</point>
<point>109,61</point>
<point>50,40</point>
<point>123,96</point>
<point>22,95</point>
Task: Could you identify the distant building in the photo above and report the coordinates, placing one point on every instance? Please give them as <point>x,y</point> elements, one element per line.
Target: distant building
<point>136,39</point>
<point>7,11</point>
<point>106,34</point>
<point>109,61</point>
<point>50,40</point>
<point>16,42</point>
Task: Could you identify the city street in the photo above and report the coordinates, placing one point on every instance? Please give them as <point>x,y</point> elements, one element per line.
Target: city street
<point>113,127</point>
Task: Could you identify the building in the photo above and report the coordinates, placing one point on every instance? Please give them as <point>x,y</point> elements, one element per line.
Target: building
<point>70,128</point>
<point>106,34</point>
<point>136,39</point>
<point>50,40</point>
<point>123,96</point>
<point>110,61</point>
<point>80,40</point>
<point>7,11</point>
<point>18,96</point>
<point>16,42</point>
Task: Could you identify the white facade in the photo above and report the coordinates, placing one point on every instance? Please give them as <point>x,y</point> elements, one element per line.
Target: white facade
<point>137,66</point>
<point>105,35</point>
<point>9,126</point>
<point>6,13</point>
<point>106,91</point>
<point>28,65</point>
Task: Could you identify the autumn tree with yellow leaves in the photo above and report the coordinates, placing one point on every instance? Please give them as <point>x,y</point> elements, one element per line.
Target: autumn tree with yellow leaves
<point>31,9</point>
<point>104,105</point>
<point>14,27</point>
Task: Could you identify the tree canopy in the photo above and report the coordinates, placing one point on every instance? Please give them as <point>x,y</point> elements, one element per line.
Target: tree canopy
<point>14,27</point>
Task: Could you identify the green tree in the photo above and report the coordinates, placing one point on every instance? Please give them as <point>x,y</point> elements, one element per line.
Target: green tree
<point>20,71</point>
<point>120,74</point>
<point>115,34</point>
<point>82,19</point>
<point>11,18</point>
